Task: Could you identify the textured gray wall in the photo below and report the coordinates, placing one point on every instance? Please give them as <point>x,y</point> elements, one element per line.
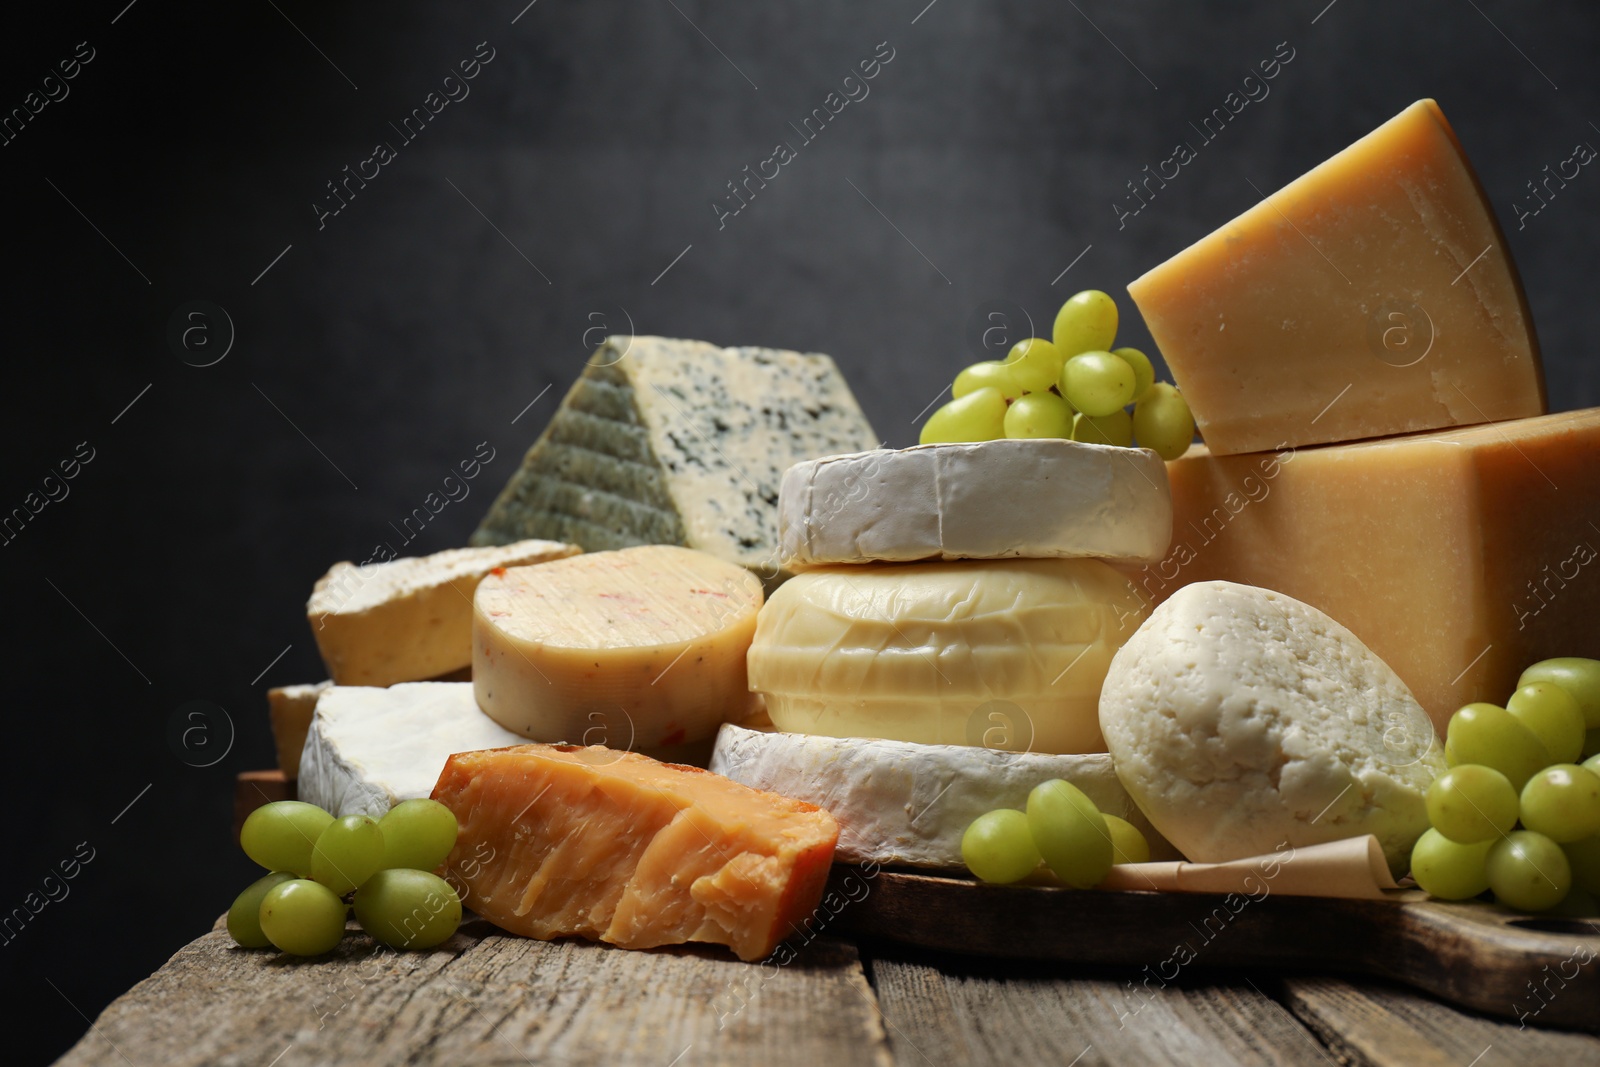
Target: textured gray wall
<point>380,349</point>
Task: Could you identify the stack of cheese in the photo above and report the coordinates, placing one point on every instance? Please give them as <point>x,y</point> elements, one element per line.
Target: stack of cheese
<point>956,604</point>
<point>1372,297</point>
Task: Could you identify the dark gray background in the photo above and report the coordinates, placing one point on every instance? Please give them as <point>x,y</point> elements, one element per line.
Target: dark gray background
<point>378,352</point>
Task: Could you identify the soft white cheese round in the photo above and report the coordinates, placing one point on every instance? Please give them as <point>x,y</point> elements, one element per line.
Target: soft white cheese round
<point>1006,654</point>
<point>905,804</point>
<point>1240,719</point>
<point>987,500</point>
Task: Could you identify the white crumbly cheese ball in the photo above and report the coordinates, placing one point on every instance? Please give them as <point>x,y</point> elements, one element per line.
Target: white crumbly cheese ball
<point>1240,719</point>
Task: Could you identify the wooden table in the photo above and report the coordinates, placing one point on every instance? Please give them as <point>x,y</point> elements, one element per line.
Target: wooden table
<point>487,998</point>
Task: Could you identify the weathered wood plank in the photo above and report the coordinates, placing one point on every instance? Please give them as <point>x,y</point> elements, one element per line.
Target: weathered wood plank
<point>1379,1025</point>
<point>940,1010</point>
<point>486,998</point>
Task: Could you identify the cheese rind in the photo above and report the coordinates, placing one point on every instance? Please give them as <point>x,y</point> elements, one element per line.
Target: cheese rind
<point>1001,653</point>
<point>664,441</point>
<point>289,708</point>
<point>370,748</point>
<point>1241,719</point>
<point>639,648</point>
<point>1374,295</point>
<point>408,619</point>
<point>944,501</point>
<point>904,804</point>
<point>559,841</point>
<point>1459,557</point>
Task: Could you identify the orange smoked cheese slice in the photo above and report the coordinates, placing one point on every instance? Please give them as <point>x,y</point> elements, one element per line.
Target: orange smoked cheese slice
<point>558,841</point>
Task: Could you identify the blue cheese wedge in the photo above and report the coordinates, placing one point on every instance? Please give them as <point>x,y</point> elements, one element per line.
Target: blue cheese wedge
<point>370,748</point>
<point>904,804</point>
<point>681,443</point>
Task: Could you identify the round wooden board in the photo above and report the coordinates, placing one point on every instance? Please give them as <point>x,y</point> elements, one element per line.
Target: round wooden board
<point>1543,970</point>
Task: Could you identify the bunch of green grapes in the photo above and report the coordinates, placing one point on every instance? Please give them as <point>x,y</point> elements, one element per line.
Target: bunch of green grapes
<point>1074,385</point>
<point>1061,828</point>
<point>1517,766</point>
<point>321,865</point>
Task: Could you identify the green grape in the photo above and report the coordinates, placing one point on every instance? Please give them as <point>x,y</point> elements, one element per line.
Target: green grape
<point>1579,677</point>
<point>1492,736</point>
<point>1553,717</point>
<point>244,918</point>
<point>1528,871</point>
<point>279,835</point>
<point>1098,383</point>
<point>1562,803</point>
<point>990,374</point>
<point>1087,322</point>
<point>1070,833</point>
<point>1591,745</point>
<point>404,908</point>
<point>1144,373</point>
<point>1162,421</point>
<point>1127,843</point>
<point>998,847</point>
<point>1113,429</point>
<point>1038,415</point>
<point>347,853</point>
<point>302,917</point>
<point>1035,363</point>
<point>978,416</point>
<point>1448,870</point>
<point>418,834</point>
<point>1472,803</point>
<point>1584,859</point>
<point>1592,764</point>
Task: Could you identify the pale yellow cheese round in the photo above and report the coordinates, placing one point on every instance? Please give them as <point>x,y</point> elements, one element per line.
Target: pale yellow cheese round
<point>641,648</point>
<point>1004,654</point>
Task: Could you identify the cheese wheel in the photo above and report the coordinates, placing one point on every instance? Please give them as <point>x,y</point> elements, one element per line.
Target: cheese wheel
<point>1241,719</point>
<point>988,500</point>
<point>640,648</point>
<point>902,804</point>
<point>1007,654</point>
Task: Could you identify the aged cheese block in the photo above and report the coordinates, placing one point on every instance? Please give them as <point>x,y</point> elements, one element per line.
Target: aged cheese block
<point>370,748</point>
<point>679,443</point>
<point>290,708</point>
<point>408,619</point>
<point>637,648</point>
<point>1373,295</point>
<point>560,841</point>
<point>1005,654</point>
<point>904,804</point>
<point>946,501</point>
<point>1459,557</point>
<point>1242,720</point>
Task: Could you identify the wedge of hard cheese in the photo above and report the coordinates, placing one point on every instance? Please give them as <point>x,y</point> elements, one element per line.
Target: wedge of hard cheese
<point>593,842</point>
<point>1459,557</point>
<point>904,804</point>
<point>1373,295</point>
<point>408,619</point>
<point>290,708</point>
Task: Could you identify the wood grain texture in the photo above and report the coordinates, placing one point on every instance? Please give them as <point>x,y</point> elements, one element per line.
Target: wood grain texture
<point>1473,955</point>
<point>1375,1025</point>
<point>486,998</point>
<point>936,1011</point>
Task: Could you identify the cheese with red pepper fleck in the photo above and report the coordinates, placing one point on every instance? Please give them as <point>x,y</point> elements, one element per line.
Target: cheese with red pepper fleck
<point>640,648</point>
